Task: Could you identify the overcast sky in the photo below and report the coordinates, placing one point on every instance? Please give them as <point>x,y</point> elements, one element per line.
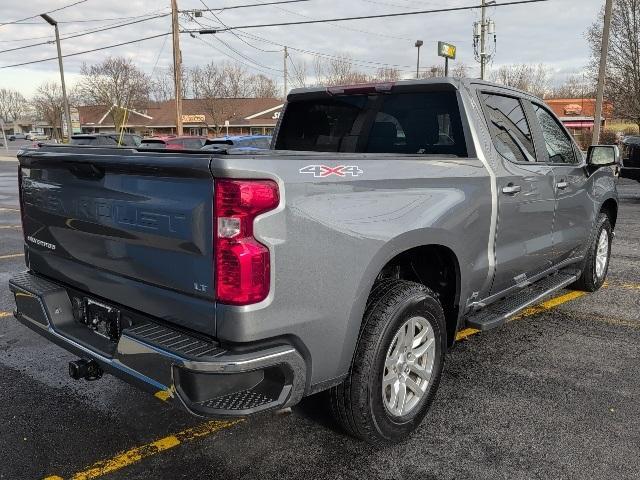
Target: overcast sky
<point>551,33</point>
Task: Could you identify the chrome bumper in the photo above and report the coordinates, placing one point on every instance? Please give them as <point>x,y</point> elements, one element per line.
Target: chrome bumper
<point>195,373</point>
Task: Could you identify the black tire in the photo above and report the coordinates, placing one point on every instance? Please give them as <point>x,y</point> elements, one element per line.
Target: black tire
<point>358,403</point>
<point>589,281</point>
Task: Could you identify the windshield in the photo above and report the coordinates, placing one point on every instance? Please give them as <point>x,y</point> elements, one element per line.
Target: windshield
<point>403,123</point>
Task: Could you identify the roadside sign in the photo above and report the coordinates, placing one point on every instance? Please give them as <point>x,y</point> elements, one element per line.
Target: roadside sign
<point>447,50</point>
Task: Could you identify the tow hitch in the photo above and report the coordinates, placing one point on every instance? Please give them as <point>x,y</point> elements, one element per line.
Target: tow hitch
<point>87,369</point>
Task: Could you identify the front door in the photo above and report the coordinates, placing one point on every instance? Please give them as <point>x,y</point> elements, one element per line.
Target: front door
<point>573,209</point>
<point>526,199</point>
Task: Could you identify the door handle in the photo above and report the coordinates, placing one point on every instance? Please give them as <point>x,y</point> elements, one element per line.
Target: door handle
<point>511,189</point>
<point>562,185</point>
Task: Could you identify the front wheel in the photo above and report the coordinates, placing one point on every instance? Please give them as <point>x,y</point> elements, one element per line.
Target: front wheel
<point>397,364</point>
<point>596,263</point>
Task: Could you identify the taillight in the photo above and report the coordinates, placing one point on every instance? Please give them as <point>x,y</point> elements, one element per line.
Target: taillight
<point>242,264</point>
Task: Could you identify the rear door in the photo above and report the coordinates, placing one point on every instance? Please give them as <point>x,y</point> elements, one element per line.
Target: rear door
<point>526,200</point>
<point>573,208</point>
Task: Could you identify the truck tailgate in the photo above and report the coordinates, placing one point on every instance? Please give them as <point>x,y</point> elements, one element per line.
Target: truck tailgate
<point>132,228</point>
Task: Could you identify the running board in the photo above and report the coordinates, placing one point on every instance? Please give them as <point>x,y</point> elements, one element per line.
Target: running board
<point>496,314</point>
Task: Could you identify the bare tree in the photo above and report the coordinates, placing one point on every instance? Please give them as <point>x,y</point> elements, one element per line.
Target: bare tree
<point>161,87</point>
<point>386,74</point>
<point>48,105</point>
<point>12,104</point>
<point>117,84</point>
<point>263,87</point>
<point>575,86</point>
<point>338,70</point>
<point>457,70</point>
<point>530,78</point>
<point>297,74</point>
<point>622,86</point>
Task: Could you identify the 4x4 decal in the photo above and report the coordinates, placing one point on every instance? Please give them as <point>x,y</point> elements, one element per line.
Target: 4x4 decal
<point>325,171</point>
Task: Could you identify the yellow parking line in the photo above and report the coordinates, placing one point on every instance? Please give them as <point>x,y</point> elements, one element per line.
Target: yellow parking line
<point>163,395</point>
<point>5,209</point>
<point>6,227</point>
<point>5,314</point>
<point>467,332</point>
<point>136,454</point>
<point>13,255</point>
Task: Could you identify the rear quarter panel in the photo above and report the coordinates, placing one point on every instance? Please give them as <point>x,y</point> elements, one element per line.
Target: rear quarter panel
<point>331,236</point>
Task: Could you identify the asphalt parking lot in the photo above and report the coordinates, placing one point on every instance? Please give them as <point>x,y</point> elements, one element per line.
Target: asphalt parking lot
<point>554,394</point>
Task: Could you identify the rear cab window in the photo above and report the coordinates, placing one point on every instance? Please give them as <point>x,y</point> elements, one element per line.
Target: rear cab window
<point>414,123</point>
<point>509,128</point>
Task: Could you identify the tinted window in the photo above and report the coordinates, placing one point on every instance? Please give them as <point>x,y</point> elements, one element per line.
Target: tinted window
<point>153,144</point>
<point>559,145</point>
<point>84,141</point>
<point>509,128</point>
<point>192,143</point>
<point>404,123</point>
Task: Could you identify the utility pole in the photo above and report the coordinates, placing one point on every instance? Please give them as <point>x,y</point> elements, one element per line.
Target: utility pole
<point>483,39</point>
<point>177,65</point>
<point>284,69</point>
<point>419,43</point>
<point>481,29</point>
<point>604,51</point>
<point>65,100</point>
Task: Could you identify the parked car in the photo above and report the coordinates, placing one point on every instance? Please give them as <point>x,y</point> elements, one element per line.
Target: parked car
<point>260,142</point>
<point>17,136</point>
<point>37,136</point>
<point>174,143</point>
<point>102,139</point>
<point>630,158</point>
<point>387,219</point>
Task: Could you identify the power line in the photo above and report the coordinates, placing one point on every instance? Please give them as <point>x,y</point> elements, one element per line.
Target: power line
<point>382,15</point>
<point>86,51</point>
<point>344,27</point>
<point>90,29</point>
<point>239,61</point>
<point>103,29</point>
<point>233,7</point>
<point>225,25</point>
<point>38,14</point>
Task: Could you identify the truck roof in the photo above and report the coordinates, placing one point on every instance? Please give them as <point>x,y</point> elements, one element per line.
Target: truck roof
<point>446,82</point>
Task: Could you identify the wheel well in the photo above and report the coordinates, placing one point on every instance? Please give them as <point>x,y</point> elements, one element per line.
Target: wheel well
<point>610,208</point>
<point>436,267</point>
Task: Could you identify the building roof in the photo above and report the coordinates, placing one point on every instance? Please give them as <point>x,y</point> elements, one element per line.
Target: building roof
<point>196,112</point>
<point>577,107</point>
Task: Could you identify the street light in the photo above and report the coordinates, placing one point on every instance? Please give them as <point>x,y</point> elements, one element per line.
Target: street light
<point>67,112</point>
<point>419,43</point>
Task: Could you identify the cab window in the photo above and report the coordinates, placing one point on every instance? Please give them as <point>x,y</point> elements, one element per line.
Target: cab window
<point>509,128</point>
<point>559,145</point>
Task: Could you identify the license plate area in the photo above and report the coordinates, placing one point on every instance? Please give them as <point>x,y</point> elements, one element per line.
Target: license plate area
<point>102,319</point>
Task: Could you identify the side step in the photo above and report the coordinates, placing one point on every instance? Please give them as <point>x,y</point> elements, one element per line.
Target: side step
<point>496,314</point>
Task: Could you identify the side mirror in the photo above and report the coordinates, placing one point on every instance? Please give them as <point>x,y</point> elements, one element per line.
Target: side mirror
<point>603,156</point>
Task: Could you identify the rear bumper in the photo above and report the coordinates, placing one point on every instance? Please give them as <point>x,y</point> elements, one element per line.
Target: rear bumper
<point>195,373</point>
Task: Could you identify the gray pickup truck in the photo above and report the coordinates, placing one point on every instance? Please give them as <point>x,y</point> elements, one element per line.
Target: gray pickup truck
<point>384,219</point>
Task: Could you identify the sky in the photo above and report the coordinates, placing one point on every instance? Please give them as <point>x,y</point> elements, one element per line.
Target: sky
<point>551,33</point>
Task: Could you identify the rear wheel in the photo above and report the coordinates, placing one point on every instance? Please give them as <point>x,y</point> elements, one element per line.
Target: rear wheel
<point>596,264</point>
<point>397,364</point>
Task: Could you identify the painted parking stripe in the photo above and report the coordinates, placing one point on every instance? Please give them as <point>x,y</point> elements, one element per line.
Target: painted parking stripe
<point>5,314</point>
<point>12,255</point>
<point>136,454</point>
<point>6,209</point>
<point>6,227</point>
